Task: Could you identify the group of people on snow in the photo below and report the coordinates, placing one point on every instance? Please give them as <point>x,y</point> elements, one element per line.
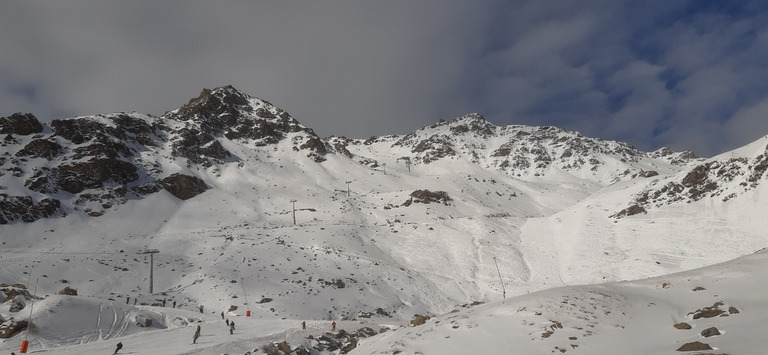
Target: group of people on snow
<point>230,324</point>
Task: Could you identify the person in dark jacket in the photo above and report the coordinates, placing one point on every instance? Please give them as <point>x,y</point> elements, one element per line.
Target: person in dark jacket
<point>119,346</point>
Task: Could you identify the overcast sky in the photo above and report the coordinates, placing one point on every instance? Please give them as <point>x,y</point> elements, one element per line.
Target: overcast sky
<point>691,75</point>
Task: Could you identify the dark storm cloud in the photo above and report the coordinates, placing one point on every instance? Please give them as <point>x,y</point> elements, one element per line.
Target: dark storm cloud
<point>345,68</point>
<point>683,74</point>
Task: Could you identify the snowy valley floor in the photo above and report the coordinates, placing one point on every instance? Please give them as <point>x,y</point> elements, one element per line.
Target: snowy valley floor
<point>636,317</point>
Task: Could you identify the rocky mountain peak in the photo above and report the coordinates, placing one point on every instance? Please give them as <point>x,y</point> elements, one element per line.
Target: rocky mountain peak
<point>473,123</point>
<point>228,112</point>
<point>234,114</point>
<point>470,118</point>
<point>230,95</point>
<point>224,104</point>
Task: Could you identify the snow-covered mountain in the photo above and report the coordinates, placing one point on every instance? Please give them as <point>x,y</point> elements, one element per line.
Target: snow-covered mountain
<point>251,210</point>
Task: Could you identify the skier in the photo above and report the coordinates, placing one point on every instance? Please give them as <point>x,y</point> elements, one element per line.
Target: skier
<point>333,325</point>
<point>134,300</point>
<point>163,302</point>
<point>174,304</point>
<point>222,314</point>
<point>201,308</point>
<point>119,346</point>
<point>194,337</point>
<point>227,322</point>
<point>231,327</point>
<point>127,299</point>
<point>304,325</point>
<point>198,329</point>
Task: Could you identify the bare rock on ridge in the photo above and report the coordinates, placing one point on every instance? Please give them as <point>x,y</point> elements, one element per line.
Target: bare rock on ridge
<point>184,186</point>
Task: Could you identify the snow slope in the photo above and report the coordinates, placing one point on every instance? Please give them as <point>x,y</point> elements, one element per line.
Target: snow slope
<point>632,317</point>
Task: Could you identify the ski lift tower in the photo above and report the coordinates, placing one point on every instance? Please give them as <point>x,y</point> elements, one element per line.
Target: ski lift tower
<point>151,253</point>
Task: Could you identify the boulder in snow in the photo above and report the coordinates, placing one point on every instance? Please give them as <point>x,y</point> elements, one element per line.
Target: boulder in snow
<point>710,332</point>
<point>694,346</point>
<point>11,327</point>
<point>68,291</point>
<point>143,321</point>
<point>18,303</point>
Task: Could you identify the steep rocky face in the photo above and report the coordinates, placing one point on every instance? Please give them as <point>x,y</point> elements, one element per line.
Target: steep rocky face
<point>436,146</point>
<point>13,208</point>
<point>22,124</point>
<point>198,147</point>
<point>76,177</point>
<point>101,161</point>
<point>184,186</point>
<point>545,147</point>
<point>531,151</point>
<point>234,115</point>
<point>722,179</point>
<point>339,145</point>
<point>473,124</point>
<point>94,160</point>
<point>40,148</point>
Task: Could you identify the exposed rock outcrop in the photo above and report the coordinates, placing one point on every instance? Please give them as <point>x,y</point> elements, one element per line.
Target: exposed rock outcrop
<point>68,291</point>
<point>24,208</point>
<point>22,124</point>
<point>184,186</point>
<point>11,327</point>
<point>426,196</point>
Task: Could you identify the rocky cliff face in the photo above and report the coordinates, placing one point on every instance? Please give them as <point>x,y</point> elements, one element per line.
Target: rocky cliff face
<point>228,113</point>
<point>92,163</point>
<point>721,179</point>
<point>527,151</point>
